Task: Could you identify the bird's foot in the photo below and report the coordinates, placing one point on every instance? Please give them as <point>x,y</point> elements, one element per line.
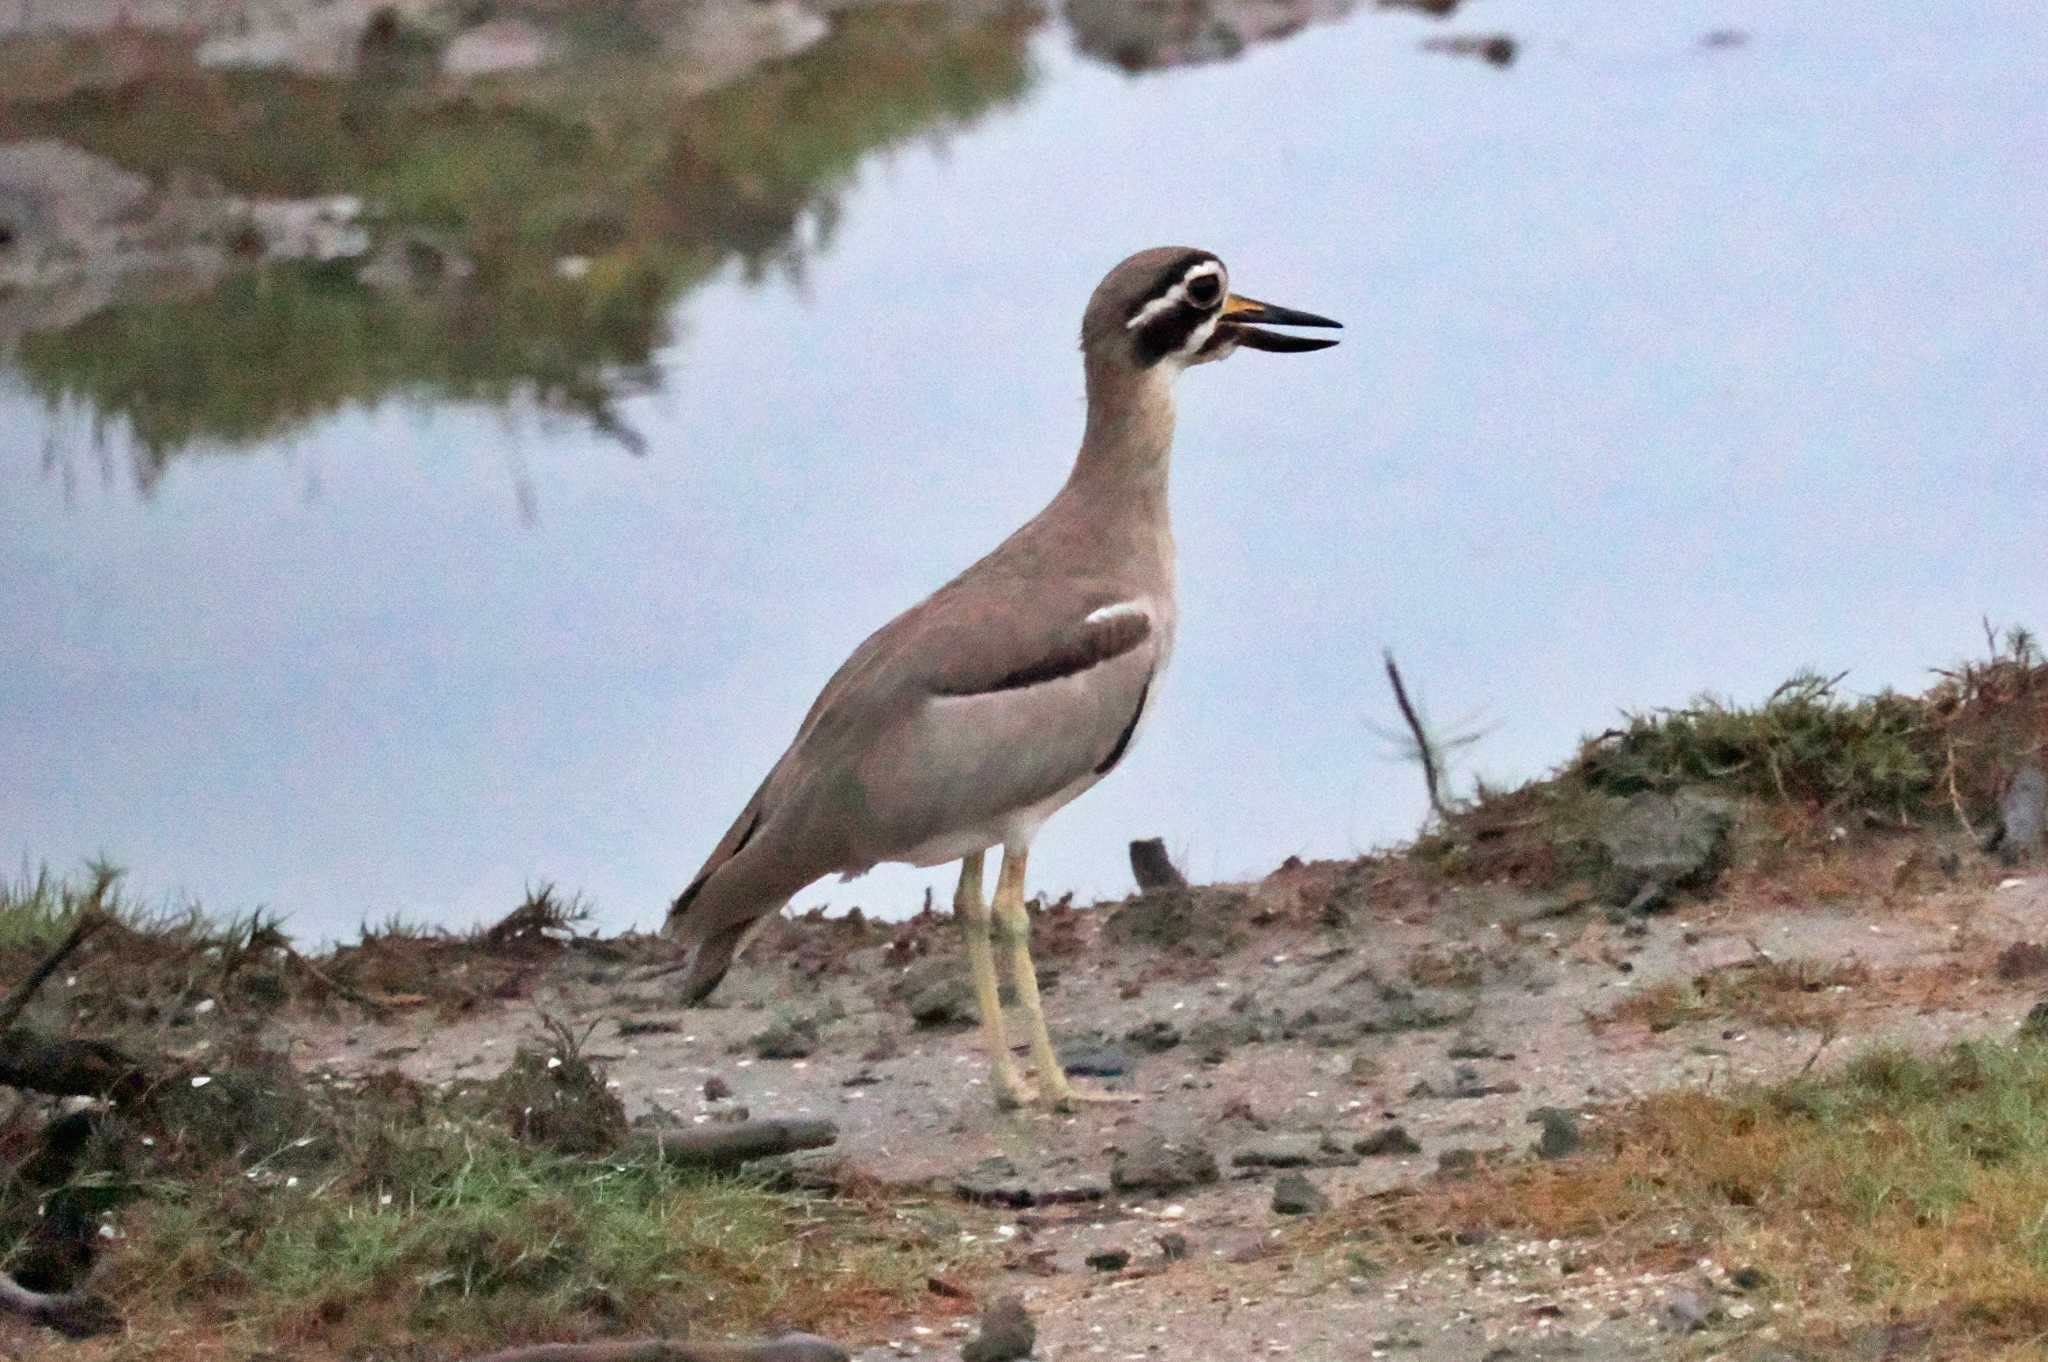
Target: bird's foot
<point>1064,1096</point>
<point>1012,1091</point>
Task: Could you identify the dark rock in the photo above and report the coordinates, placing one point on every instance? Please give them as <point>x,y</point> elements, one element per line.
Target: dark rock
<point>1387,1140</point>
<point>2035,1025</point>
<point>1153,1037</point>
<point>1173,1246</point>
<point>716,1089</point>
<point>1161,1165</point>
<point>1748,1277</point>
<point>1152,868</point>
<point>1684,1312</point>
<point>1000,1182</point>
<point>1007,1334</point>
<point>2022,960</point>
<point>1659,842</point>
<point>1294,1194</point>
<point>1094,1057</point>
<point>1496,49</point>
<point>1560,1137</point>
<point>1109,1260</point>
<point>1365,1070</point>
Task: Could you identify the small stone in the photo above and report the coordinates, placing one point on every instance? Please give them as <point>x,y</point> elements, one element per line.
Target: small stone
<point>1561,1137</point>
<point>1281,1152</point>
<point>1387,1140</point>
<point>1162,1165</point>
<point>1109,1260</point>
<point>1365,1070</point>
<point>786,1038</point>
<point>1684,1312</point>
<point>1093,1057</point>
<point>1007,1334</point>
<point>1294,1194</point>
<point>716,1089</point>
<point>1153,1037</point>
<point>1467,1045</point>
<point>947,1002</point>
<point>1173,1246</point>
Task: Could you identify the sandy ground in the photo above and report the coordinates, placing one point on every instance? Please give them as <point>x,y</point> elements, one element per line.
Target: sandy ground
<point>1517,997</point>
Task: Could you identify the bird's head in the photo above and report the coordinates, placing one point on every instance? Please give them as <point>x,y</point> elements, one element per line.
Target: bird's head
<point>1173,306</point>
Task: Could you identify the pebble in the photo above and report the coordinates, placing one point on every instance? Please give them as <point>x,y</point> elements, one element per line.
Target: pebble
<point>1162,1165</point>
<point>1007,1334</point>
<point>1294,1194</point>
<point>1387,1140</point>
<point>1109,1260</point>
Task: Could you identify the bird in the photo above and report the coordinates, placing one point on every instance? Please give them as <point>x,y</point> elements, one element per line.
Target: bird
<point>964,723</point>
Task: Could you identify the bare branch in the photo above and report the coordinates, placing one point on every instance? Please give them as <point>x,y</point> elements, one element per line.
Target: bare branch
<point>1432,769</point>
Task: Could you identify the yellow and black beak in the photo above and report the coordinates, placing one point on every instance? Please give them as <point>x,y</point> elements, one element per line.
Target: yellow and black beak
<point>1239,314</point>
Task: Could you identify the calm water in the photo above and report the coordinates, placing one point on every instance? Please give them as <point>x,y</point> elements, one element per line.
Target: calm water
<point>1669,366</point>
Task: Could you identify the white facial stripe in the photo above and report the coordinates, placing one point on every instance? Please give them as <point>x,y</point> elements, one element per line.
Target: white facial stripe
<point>1174,296</point>
<point>1116,611</point>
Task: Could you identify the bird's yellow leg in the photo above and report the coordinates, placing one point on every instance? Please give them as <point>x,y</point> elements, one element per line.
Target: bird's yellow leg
<point>1013,932</point>
<point>973,912</point>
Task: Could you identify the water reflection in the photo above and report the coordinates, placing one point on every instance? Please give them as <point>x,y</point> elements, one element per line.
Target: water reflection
<point>1146,37</point>
<point>216,256</point>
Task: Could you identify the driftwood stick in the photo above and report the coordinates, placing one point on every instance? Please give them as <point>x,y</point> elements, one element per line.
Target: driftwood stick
<point>788,1348</point>
<point>89,921</point>
<point>67,1068</point>
<point>1153,868</point>
<point>1432,769</point>
<point>75,1314</point>
<point>728,1146</point>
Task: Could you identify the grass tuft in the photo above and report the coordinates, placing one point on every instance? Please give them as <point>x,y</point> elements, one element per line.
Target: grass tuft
<point>1903,1187</point>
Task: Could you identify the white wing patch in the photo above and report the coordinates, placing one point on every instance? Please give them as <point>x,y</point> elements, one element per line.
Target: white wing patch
<point>1119,610</point>
<point>1174,296</point>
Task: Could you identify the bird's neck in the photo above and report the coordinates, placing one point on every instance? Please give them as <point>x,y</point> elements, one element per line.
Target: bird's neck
<point>1128,442</point>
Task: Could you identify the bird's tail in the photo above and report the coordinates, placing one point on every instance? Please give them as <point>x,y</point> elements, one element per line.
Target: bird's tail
<point>735,890</point>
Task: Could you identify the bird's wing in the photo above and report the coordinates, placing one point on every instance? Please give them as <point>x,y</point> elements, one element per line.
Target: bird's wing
<point>973,714</point>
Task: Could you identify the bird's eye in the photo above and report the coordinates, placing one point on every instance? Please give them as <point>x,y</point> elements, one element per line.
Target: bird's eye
<point>1205,289</point>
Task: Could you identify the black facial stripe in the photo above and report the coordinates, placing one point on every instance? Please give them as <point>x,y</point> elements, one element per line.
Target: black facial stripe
<point>1169,277</point>
<point>1167,332</point>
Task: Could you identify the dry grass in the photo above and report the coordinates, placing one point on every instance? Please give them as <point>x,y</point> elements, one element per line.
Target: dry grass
<point>1800,994</point>
<point>1903,1191</point>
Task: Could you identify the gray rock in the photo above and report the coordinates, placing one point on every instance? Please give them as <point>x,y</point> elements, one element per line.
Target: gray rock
<point>2022,814</point>
<point>797,1348</point>
<point>785,1038</point>
<point>1684,1312</point>
<point>1000,1182</point>
<point>1094,1057</point>
<point>1294,1194</point>
<point>946,1002</point>
<point>1466,1045</point>
<point>1560,1137</point>
<point>1281,1151</point>
<point>1387,1140</point>
<point>1659,842</point>
<point>1161,1165</point>
<point>1007,1334</point>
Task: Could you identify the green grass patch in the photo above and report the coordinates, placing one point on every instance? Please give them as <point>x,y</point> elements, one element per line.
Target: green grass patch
<point>1904,1187</point>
